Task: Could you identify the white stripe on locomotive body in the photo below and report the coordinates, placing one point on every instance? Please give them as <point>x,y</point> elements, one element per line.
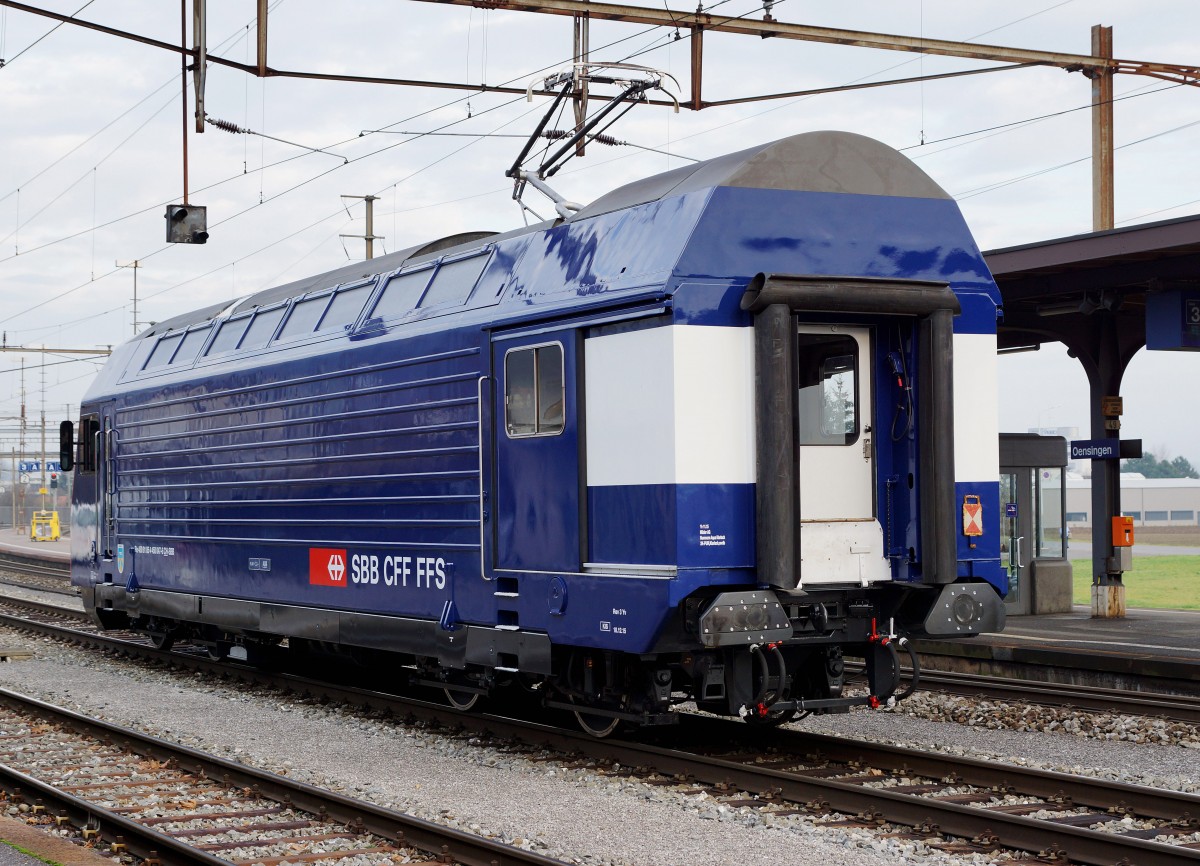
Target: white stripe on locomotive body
<point>714,405</point>
<point>976,412</point>
<point>670,405</point>
<point>629,400</point>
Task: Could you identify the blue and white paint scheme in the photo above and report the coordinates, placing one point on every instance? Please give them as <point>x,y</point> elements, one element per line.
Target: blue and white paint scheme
<point>693,442</point>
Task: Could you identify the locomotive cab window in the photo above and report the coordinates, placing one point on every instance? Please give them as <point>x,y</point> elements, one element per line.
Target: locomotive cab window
<point>402,293</point>
<point>161,356</point>
<point>304,318</point>
<point>262,328</point>
<point>190,347</point>
<point>228,336</point>
<point>346,306</point>
<point>828,383</point>
<point>454,281</point>
<point>534,391</point>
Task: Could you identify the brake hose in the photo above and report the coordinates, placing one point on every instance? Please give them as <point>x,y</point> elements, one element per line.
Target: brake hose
<point>765,670</point>
<point>782,671</point>
<point>916,668</point>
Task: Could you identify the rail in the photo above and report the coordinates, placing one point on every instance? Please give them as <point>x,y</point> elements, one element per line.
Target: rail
<point>243,791</point>
<point>981,804</point>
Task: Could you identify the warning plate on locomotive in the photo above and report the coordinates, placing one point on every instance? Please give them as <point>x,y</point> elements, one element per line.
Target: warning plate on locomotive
<point>260,563</point>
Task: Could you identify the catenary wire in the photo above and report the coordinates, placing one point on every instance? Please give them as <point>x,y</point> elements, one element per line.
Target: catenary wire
<point>285,192</point>
<point>1160,210</point>
<point>1009,182</point>
<point>87,173</point>
<point>363,133</point>
<point>9,61</point>
<point>168,83</point>
<point>1007,127</point>
<point>87,140</point>
<point>365,156</point>
<point>310,180</point>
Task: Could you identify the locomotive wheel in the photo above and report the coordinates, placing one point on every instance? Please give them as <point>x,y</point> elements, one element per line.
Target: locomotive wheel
<point>596,725</point>
<point>162,640</point>
<point>462,700</point>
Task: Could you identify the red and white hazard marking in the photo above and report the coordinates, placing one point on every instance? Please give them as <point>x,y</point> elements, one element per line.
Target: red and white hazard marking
<point>972,516</point>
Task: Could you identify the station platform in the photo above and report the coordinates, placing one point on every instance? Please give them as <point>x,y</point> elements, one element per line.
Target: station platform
<point>1147,650</point>
<point>19,542</point>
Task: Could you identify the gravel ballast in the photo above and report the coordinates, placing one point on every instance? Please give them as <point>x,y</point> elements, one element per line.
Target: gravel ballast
<point>570,813</point>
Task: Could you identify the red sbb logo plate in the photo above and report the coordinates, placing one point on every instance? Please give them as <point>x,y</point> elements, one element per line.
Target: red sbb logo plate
<point>327,566</point>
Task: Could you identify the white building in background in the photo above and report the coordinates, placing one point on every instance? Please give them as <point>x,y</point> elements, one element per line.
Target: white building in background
<point>1149,501</point>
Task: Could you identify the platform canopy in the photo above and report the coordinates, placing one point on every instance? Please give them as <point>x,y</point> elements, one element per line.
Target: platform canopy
<point>1062,289</point>
<point>1091,292</point>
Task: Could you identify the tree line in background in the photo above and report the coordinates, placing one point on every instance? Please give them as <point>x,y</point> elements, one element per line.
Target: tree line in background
<point>1151,467</point>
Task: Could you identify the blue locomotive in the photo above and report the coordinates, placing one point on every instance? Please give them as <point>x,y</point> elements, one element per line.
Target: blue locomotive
<point>694,442</point>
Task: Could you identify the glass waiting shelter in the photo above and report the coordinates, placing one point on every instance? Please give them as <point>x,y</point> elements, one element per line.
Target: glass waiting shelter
<point>1033,535</point>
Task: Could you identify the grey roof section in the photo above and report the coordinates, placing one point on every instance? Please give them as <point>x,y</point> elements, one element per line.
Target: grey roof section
<point>840,162</point>
<point>178,323</point>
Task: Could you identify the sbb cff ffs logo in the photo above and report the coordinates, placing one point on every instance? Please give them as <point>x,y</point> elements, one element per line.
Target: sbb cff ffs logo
<point>332,566</point>
<point>327,566</point>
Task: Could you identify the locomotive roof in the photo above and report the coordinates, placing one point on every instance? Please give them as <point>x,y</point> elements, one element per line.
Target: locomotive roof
<point>810,162</point>
<point>835,162</point>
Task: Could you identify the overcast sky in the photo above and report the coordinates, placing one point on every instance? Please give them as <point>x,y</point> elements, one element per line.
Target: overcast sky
<point>90,153</point>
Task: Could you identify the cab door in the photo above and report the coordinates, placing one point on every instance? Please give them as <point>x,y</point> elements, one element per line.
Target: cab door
<point>841,539</point>
<point>106,480</point>
<point>86,518</point>
<point>538,482</point>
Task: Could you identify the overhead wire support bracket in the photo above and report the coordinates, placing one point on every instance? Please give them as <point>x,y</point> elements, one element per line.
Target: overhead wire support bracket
<point>200,55</point>
<point>698,21</point>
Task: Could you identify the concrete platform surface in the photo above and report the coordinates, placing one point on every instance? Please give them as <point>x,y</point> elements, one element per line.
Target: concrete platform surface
<point>1147,650</point>
<point>20,542</point>
<point>1142,631</point>
<point>53,849</point>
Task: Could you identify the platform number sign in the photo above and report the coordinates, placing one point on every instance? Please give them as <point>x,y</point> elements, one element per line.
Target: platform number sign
<point>27,466</point>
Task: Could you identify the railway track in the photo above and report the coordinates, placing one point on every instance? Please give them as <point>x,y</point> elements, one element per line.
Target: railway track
<point>959,804</point>
<point>171,804</point>
<point>31,572</point>
<point>1182,708</point>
